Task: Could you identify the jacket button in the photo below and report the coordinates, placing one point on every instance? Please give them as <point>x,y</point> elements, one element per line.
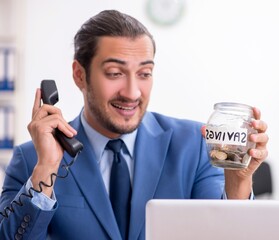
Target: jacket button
<point>18,236</point>
<point>21,230</point>
<point>27,218</point>
<point>24,224</point>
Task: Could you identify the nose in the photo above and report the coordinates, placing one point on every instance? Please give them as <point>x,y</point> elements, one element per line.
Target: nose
<point>131,89</point>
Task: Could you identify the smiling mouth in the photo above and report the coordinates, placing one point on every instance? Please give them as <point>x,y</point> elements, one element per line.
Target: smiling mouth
<point>125,108</point>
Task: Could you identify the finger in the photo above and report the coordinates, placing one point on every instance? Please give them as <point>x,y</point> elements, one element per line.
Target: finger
<point>67,129</point>
<point>260,138</point>
<point>258,154</point>
<point>46,110</point>
<point>259,125</point>
<point>203,128</point>
<point>37,102</point>
<point>57,121</point>
<point>257,113</point>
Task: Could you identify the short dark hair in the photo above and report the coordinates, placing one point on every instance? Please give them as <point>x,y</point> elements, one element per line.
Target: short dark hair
<point>106,23</point>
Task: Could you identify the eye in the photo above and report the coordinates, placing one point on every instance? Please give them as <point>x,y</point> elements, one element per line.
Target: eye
<point>145,75</point>
<point>114,75</point>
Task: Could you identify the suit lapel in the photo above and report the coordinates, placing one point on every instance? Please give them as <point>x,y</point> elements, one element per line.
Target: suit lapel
<point>87,175</point>
<point>151,149</point>
<point>150,153</point>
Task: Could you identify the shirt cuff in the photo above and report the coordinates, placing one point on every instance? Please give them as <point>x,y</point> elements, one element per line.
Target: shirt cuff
<point>251,197</point>
<point>41,200</point>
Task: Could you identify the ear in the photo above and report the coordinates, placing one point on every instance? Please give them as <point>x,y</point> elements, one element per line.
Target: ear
<point>79,74</point>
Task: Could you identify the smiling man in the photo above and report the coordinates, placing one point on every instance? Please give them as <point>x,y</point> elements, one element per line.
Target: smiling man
<point>117,90</point>
<point>130,155</point>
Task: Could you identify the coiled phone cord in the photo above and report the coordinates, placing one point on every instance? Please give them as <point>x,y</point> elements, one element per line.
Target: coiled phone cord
<point>19,202</point>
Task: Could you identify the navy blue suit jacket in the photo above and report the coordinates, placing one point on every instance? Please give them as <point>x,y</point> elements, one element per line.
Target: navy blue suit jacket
<point>170,162</point>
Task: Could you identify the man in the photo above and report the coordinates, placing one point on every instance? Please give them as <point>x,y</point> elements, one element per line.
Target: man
<point>166,157</point>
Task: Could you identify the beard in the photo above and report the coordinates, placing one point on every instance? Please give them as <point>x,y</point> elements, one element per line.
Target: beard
<point>101,114</point>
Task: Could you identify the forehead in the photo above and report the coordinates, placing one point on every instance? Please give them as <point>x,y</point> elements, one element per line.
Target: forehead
<point>139,48</point>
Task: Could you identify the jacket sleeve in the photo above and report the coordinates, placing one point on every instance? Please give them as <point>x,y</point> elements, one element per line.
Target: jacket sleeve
<point>209,181</point>
<point>20,218</point>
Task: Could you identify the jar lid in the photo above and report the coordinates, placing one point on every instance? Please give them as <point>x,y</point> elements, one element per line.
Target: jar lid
<point>233,106</point>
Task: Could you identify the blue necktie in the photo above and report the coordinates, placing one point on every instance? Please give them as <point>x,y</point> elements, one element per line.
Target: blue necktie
<point>120,188</point>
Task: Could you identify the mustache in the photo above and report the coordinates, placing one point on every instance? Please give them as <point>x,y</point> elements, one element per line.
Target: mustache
<point>125,100</point>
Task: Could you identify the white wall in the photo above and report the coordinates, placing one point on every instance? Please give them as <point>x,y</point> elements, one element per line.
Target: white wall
<point>219,51</point>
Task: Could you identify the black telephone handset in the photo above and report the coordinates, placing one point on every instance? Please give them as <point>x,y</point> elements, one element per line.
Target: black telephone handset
<point>71,145</point>
<point>50,96</point>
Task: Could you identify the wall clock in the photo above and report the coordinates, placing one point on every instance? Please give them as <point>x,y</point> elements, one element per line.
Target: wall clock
<point>165,12</point>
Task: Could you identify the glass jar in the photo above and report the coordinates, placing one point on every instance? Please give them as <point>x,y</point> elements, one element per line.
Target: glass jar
<point>227,135</point>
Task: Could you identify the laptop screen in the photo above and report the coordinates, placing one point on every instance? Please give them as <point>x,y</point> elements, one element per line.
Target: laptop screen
<point>212,219</point>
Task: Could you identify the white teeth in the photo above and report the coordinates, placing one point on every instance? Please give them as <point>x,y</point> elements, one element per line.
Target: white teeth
<point>123,108</point>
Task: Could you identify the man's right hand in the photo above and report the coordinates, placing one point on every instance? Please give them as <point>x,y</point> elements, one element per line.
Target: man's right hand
<point>45,119</point>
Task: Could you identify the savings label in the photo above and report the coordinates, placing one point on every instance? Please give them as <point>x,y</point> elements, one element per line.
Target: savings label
<point>226,135</point>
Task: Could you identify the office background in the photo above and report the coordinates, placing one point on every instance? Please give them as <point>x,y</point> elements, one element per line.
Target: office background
<point>216,51</point>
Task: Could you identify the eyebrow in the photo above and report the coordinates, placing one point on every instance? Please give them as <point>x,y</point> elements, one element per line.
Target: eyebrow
<point>122,62</point>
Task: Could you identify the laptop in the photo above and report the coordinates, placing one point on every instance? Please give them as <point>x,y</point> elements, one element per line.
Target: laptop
<point>212,220</point>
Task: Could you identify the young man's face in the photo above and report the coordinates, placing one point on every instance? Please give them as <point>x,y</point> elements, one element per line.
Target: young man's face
<point>119,86</point>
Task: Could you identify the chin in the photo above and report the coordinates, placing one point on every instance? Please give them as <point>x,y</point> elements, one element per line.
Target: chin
<point>126,127</point>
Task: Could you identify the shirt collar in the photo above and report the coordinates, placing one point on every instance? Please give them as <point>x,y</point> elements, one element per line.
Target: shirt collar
<point>99,141</point>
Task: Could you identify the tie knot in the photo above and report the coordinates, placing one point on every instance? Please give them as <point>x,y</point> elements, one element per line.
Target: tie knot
<point>115,145</point>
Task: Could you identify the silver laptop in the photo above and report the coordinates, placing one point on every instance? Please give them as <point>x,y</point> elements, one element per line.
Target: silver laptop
<point>212,220</point>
